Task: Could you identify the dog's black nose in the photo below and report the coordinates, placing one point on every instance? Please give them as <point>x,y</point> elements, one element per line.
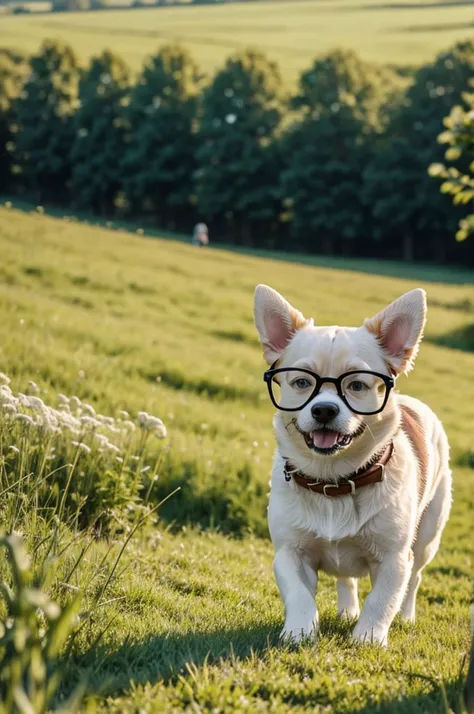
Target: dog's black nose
<point>324,412</point>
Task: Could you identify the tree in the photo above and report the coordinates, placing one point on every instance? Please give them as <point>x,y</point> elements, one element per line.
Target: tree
<point>237,174</point>
<point>97,152</point>
<point>12,74</point>
<point>459,135</point>
<point>340,101</point>
<point>44,114</point>
<point>71,5</point>
<point>404,201</point>
<point>160,163</point>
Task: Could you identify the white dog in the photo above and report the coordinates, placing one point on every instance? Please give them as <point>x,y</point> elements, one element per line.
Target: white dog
<point>361,481</point>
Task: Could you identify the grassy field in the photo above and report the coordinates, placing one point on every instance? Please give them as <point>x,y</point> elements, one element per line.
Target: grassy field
<point>292,32</point>
<point>128,322</point>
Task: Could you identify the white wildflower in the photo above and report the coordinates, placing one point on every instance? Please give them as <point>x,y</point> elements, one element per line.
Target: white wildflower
<point>145,469</point>
<point>4,379</point>
<point>88,409</point>
<point>108,421</point>
<point>153,423</point>
<point>15,449</point>
<point>142,419</point>
<point>35,403</point>
<point>89,422</point>
<point>75,402</point>
<point>25,419</point>
<point>33,387</point>
<point>114,449</point>
<point>82,447</point>
<point>128,425</point>
<point>161,432</point>
<point>124,414</point>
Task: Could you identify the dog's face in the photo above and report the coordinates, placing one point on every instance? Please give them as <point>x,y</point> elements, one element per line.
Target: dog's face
<point>325,424</point>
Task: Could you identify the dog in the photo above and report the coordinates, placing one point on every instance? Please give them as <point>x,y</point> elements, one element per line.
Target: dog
<point>361,483</point>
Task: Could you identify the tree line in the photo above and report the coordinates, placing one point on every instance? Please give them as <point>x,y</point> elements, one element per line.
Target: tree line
<point>339,166</point>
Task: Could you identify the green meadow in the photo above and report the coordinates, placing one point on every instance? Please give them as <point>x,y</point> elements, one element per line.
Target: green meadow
<point>291,33</point>
<point>191,616</point>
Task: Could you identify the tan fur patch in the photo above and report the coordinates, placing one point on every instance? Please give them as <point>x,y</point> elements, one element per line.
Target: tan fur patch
<point>374,325</point>
<point>298,321</point>
<point>413,428</point>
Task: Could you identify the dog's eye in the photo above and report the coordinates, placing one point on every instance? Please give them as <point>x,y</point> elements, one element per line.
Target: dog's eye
<point>357,386</point>
<point>301,383</point>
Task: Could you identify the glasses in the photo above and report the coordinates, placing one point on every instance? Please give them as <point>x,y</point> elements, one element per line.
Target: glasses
<point>363,391</point>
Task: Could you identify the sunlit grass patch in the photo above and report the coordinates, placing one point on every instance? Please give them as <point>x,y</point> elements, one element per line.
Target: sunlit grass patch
<point>189,618</point>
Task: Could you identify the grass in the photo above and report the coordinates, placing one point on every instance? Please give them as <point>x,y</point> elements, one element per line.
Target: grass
<point>291,32</point>
<point>192,613</point>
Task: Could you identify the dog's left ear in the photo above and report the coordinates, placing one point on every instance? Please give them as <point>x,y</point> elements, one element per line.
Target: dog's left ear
<point>276,320</point>
<point>399,329</point>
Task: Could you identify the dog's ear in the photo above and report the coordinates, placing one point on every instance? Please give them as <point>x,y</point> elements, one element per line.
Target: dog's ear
<point>399,329</point>
<point>276,321</point>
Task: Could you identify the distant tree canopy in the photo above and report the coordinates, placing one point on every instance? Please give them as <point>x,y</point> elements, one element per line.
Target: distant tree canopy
<point>71,5</point>
<point>341,166</point>
<point>98,145</point>
<point>159,159</point>
<point>13,69</point>
<point>459,182</point>
<point>240,114</point>
<point>341,101</point>
<point>405,203</point>
<point>44,116</point>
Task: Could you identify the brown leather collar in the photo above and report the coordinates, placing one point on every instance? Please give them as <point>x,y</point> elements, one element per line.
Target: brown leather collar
<point>372,474</point>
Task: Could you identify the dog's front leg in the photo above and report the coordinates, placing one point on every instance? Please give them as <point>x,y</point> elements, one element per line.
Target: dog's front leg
<point>382,604</point>
<point>297,583</point>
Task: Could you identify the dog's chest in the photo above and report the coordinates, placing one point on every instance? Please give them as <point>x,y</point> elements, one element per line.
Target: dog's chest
<point>330,519</point>
<point>349,557</point>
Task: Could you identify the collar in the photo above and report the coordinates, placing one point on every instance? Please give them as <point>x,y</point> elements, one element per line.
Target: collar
<point>374,473</point>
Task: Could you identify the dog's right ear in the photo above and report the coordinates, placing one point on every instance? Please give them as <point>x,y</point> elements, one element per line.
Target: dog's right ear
<point>276,321</point>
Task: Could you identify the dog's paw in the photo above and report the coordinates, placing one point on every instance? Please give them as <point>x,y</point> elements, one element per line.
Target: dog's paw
<point>370,636</point>
<point>349,613</point>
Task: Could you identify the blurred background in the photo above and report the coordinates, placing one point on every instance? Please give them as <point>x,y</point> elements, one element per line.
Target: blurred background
<point>336,127</point>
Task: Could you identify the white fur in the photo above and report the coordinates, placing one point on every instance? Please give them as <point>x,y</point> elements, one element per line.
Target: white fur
<point>382,530</point>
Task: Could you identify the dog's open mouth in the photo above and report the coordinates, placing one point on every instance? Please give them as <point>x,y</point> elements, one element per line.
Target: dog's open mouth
<point>326,441</point>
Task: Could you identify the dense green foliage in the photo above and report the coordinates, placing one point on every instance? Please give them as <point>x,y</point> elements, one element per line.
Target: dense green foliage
<point>237,174</point>
<point>44,115</point>
<point>404,200</point>
<point>338,168</point>
<point>459,182</point>
<point>184,615</point>
<point>159,161</point>
<point>12,70</point>
<point>99,135</point>
<point>341,100</point>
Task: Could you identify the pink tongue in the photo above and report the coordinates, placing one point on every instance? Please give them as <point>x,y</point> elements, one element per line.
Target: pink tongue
<point>325,439</point>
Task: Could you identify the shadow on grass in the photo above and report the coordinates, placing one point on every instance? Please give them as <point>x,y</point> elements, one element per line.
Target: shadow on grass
<point>164,658</point>
<point>460,339</point>
<point>445,27</point>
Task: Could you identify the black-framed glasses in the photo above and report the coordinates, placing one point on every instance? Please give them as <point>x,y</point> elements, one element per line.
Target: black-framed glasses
<point>363,391</point>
